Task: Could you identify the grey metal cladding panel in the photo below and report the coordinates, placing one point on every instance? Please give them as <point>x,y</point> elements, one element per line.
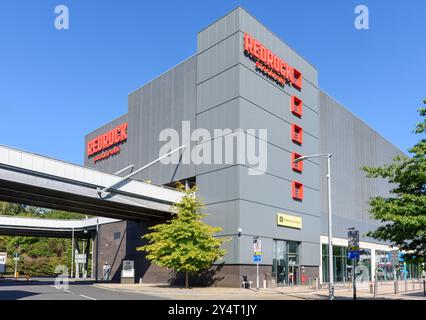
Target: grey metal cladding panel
<point>161,104</point>
<point>353,145</point>
<point>240,113</point>
<point>231,246</point>
<point>218,31</point>
<point>278,162</point>
<point>341,225</point>
<point>224,215</point>
<point>219,186</point>
<point>261,220</point>
<point>218,58</point>
<point>225,116</point>
<point>218,89</point>
<point>250,25</point>
<point>115,162</point>
<point>279,131</point>
<point>278,193</point>
<point>262,91</point>
<point>252,117</point>
<point>309,254</point>
<point>240,20</point>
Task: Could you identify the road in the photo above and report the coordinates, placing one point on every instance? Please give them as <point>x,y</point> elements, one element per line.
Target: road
<point>44,289</point>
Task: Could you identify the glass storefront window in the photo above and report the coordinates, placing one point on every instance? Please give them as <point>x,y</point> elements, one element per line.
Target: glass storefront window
<point>384,268</point>
<point>340,263</point>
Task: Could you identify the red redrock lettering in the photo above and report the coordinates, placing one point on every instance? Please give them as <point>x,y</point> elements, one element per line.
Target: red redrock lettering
<point>272,65</point>
<point>107,140</point>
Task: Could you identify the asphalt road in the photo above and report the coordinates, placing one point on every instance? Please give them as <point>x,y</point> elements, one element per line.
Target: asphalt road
<point>44,289</point>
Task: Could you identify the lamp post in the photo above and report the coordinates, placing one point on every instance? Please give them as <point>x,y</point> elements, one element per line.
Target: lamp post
<point>330,242</point>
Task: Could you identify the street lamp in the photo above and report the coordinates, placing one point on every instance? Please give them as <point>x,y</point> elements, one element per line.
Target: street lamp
<point>330,243</point>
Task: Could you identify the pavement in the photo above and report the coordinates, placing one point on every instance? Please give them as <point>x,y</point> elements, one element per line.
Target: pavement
<point>44,289</point>
<point>384,291</point>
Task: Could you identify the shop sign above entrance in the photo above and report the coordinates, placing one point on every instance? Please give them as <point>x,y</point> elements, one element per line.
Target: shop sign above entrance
<point>285,220</point>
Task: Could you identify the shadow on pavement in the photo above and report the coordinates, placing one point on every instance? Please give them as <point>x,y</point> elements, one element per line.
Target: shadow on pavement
<point>15,294</point>
<point>9,282</point>
<point>415,294</point>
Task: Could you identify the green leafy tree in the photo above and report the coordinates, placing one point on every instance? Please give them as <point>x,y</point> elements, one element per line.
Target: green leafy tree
<point>185,243</point>
<point>404,212</point>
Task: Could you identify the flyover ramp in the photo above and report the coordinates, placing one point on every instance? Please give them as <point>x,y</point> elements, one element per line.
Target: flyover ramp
<point>56,228</point>
<point>49,183</point>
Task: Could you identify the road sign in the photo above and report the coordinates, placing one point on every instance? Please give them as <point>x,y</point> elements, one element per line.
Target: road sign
<point>3,257</point>
<point>353,240</point>
<point>257,246</point>
<point>257,258</point>
<point>80,258</point>
<point>353,255</point>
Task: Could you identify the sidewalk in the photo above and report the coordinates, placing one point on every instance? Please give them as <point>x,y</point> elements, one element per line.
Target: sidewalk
<point>385,291</point>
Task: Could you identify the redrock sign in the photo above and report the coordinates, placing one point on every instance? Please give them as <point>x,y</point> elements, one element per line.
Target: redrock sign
<point>270,64</point>
<point>103,142</point>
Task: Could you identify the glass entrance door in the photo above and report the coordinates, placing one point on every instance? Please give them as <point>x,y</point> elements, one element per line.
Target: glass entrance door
<point>286,263</point>
<point>279,267</point>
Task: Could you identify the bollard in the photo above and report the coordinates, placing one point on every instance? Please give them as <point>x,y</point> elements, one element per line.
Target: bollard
<point>395,287</point>
<point>424,287</point>
<point>371,288</point>
<point>375,288</point>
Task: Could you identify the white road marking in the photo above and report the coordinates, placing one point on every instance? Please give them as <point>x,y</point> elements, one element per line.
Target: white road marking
<point>87,297</point>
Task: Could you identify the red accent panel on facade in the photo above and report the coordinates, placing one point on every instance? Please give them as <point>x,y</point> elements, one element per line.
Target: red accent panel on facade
<point>297,190</point>
<point>298,166</point>
<point>296,134</point>
<point>297,83</point>
<point>296,106</point>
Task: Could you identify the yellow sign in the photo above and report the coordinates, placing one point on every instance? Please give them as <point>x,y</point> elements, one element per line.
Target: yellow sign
<point>285,220</point>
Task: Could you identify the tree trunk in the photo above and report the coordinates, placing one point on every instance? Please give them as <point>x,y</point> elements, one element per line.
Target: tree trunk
<point>186,280</point>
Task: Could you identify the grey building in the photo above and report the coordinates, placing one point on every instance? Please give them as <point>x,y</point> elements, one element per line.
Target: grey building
<point>245,79</point>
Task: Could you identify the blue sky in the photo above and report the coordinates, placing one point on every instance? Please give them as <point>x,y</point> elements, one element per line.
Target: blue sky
<point>56,86</point>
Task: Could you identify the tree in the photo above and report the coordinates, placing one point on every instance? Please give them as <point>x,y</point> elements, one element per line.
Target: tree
<point>185,243</point>
<point>404,212</point>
